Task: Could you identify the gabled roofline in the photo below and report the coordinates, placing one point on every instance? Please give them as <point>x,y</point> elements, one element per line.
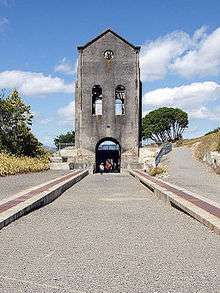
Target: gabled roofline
<point>137,48</point>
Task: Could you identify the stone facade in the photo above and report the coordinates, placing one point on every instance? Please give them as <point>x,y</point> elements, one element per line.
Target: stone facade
<point>95,69</point>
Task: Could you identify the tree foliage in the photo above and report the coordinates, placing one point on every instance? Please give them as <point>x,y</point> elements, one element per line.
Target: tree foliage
<point>164,124</point>
<point>68,137</point>
<point>15,133</point>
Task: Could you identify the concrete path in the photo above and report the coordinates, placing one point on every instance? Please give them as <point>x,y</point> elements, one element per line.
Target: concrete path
<point>191,174</point>
<point>10,185</point>
<point>108,234</point>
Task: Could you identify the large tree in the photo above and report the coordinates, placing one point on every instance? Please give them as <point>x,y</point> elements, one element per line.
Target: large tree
<point>164,124</point>
<point>68,137</point>
<point>15,121</point>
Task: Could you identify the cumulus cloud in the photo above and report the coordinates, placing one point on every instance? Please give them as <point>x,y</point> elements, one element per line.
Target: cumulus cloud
<point>67,113</point>
<point>156,56</point>
<point>204,113</point>
<point>201,61</point>
<point>178,52</point>
<point>32,83</point>
<point>192,97</point>
<point>3,23</point>
<point>40,119</point>
<point>65,67</point>
<point>185,95</point>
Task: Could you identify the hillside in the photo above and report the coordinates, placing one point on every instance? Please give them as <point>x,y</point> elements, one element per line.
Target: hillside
<point>204,144</point>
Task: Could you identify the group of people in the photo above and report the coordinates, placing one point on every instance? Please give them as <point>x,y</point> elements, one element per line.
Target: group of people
<point>108,166</point>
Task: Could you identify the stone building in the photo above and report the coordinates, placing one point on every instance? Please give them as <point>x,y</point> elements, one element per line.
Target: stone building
<point>108,101</point>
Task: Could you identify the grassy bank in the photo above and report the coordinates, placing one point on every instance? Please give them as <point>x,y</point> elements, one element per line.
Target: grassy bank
<point>203,145</point>
<point>208,143</point>
<point>10,165</point>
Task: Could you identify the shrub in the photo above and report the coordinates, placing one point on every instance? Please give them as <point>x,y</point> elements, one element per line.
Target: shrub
<point>16,137</point>
<point>179,143</point>
<point>157,170</point>
<point>10,165</point>
<point>68,137</point>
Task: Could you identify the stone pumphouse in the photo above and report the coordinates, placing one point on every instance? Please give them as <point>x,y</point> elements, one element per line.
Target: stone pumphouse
<point>108,102</point>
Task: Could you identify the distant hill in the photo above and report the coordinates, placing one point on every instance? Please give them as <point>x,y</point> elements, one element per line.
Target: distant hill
<point>50,148</point>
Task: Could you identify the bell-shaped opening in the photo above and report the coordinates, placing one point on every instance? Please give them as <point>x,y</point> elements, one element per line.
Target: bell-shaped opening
<point>120,100</point>
<point>97,100</point>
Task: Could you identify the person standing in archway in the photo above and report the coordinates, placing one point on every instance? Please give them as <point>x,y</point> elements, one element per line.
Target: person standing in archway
<point>101,168</point>
<point>108,166</point>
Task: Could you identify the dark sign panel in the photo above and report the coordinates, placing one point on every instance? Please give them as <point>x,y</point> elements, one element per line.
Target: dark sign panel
<point>166,148</point>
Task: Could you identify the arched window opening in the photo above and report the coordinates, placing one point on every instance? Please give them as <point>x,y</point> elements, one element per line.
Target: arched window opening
<point>97,100</point>
<point>120,100</point>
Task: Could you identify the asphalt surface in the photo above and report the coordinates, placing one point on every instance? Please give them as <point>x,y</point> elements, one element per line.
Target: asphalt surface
<point>191,174</point>
<point>10,185</point>
<point>108,233</point>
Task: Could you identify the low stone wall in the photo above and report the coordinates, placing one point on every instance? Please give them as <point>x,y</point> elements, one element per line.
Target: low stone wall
<point>212,159</point>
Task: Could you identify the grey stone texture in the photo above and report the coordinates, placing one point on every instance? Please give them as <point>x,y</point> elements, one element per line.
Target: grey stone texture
<point>108,233</point>
<point>10,185</point>
<point>94,69</point>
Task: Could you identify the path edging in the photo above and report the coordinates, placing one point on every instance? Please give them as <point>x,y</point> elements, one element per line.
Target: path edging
<point>38,200</point>
<point>169,197</point>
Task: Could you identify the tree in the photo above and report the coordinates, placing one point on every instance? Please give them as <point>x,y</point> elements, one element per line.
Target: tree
<point>164,124</point>
<point>15,133</point>
<point>68,137</point>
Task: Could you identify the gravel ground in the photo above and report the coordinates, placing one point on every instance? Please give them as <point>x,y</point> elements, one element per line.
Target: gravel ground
<point>191,174</point>
<point>109,234</point>
<point>10,185</point>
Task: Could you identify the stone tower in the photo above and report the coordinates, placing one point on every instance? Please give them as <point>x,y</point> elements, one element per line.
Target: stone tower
<point>108,98</point>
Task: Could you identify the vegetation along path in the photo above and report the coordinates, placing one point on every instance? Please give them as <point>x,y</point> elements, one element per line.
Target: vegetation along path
<point>191,174</point>
<point>108,233</point>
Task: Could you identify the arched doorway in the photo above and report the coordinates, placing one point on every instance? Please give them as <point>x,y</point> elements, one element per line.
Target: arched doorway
<point>108,152</point>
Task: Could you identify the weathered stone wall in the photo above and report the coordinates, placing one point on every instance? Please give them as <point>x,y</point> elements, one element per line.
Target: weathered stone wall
<point>212,159</point>
<point>94,69</point>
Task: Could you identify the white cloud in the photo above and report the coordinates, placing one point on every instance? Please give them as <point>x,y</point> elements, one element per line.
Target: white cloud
<point>65,66</point>
<point>3,23</point>
<point>193,98</point>
<point>178,52</point>
<point>157,55</point>
<point>32,83</point>
<point>185,95</point>
<point>201,61</point>
<point>67,113</point>
<point>204,113</point>
<point>40,119</point>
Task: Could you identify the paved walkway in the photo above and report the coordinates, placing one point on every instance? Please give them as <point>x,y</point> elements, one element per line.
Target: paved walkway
<point>191,174</point>
<point>108,234</point>
<point>10,185</point>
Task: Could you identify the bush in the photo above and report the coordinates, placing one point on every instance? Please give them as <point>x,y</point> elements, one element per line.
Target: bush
<point>10,165</point>
<point>68,137</point>
<point>179,143</point>
<point>157,170</point>
<point>16,137</point>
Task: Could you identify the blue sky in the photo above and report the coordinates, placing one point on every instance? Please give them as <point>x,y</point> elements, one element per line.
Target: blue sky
<point>180,56</point>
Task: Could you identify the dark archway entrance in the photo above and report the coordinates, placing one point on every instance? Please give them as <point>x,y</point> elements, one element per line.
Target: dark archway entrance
<point>108,152</point>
